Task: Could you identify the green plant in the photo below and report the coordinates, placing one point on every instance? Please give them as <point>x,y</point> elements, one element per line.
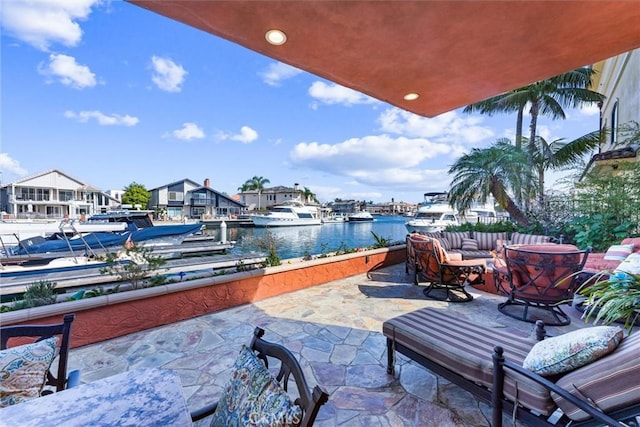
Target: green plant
<point>612,296</point>
<point>381,242</point>
<point>269,243</point>
<point>140,263</point>
<point>40,293</point>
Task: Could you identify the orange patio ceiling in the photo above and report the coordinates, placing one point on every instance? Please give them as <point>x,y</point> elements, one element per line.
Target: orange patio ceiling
<point>450,52</point>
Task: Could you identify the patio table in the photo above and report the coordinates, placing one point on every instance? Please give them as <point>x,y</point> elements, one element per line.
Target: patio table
<point>141,397</point>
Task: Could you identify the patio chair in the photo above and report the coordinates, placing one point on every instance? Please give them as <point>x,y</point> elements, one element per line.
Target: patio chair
<point>446,275</point>
<point>25,336</point>
<point>240,401</point>
<point>541,278</point>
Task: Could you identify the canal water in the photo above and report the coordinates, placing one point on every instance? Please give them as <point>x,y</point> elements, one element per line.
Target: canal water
<point>295,242</point>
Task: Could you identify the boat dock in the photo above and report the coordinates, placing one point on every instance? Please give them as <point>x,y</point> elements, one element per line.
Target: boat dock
<point>89,277</point>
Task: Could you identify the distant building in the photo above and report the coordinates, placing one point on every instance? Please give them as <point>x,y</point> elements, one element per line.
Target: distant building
<point>268,197</point>
<point>188,199</point>
<point>53,194</point>
<point>116,194</point>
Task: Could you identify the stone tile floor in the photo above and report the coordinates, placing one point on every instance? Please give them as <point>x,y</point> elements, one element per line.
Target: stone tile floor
<point>335,331</point>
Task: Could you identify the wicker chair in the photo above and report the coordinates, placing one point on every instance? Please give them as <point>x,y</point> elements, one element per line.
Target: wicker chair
<point>541,278</point>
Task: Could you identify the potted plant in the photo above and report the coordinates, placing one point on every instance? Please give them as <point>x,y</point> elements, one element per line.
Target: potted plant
<point>612,296</point>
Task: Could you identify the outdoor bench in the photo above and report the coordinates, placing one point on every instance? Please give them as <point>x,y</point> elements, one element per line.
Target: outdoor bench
<point>471,356</point>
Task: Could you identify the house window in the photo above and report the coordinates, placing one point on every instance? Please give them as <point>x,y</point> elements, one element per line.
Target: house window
<point>65,195</point>
<point>614,124</point>
<point>175,196</point>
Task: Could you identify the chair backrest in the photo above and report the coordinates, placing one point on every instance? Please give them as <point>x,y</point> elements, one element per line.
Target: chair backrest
<point>26,333</point>
<point>309,400</point>
<point>544,273</point>
<point>428,255</point>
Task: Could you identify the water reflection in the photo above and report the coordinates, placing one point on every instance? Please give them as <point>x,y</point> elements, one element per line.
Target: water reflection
<point>292,242</point>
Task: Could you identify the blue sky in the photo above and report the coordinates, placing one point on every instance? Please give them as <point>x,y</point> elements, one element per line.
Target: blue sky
<point>111,93</point>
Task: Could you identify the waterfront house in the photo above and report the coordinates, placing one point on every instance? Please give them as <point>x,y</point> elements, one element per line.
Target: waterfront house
<point>52,194</point>
<point>268,197</point>
<point>188,199</point>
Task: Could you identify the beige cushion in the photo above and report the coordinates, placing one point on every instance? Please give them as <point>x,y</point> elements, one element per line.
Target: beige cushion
<point>572,350</point>
<point>23,370</point>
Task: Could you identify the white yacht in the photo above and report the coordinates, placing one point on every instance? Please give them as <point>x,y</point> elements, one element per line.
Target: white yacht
<point>288,214</point>
<point>433,215</point>
<point>362,216</point>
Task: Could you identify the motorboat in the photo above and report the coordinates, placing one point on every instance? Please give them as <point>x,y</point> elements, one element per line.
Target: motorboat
<point>335,219</point>
<point>434,214</point>
<point>139,230</point>
<point>362,216</point>
<point>13,231</point>
<point>291,213</point>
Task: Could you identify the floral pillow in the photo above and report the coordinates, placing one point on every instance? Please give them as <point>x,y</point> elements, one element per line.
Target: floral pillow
<point>572,350</point>
<point>253,397</point>
<point>618,252</point>
<point>23,370</point>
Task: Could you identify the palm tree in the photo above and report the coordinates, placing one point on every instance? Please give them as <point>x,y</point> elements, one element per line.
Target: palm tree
<point>546,97</point>
<point>490,171</point>
<point>257,183</point>
<point>309,195</point>
<point>559,154</point>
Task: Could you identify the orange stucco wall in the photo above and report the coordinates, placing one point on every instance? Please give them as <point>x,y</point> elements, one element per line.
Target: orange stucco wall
<point>114,320</point>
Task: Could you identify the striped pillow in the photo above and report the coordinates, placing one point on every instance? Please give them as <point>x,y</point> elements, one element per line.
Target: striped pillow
<point>528,239</point>
<point>469,245</point>
<point>455,238</point>
<point>618,252</point>
<point>488,241</point>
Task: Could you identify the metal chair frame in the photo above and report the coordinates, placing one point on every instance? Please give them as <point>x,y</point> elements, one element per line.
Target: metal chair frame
<point>61,380</point>
<point>449,276</point>
<point>541,279</point>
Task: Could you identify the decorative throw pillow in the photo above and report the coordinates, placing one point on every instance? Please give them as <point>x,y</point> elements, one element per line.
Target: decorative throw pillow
<point>631,264</point>
<point>469,245</point>
<point>253,397</point>
<point>23,370</point>
<point>572,350</point>
<point>444,242</point>
<point>618,252</point>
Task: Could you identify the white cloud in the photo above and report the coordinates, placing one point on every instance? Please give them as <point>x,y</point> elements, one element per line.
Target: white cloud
<point>277,72</point>
<point>42,23</point>
<point>590,110</point>
<point>336,94</point>
<point>188,132</point>
<point>246,136</point>
<point>7,164</point>
<point>102,119</point>
<point>167,75</point>
<point>65,69</point>
<point>449,127</point>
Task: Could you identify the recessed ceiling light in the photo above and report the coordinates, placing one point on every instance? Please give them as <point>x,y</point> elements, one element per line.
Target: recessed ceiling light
<point>276,37</point>
<point>411,96</point>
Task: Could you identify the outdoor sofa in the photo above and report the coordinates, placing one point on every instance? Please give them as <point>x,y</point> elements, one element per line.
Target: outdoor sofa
<point>479,244</point>
<point>612,258</point>
<point>488,362</point>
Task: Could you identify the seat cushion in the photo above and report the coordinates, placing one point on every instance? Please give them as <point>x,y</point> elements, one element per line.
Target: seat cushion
<point>253,397</point>
<point>23,370</point>
<point>572,350</point>
<point>612,382</point>
<point>466,348</point>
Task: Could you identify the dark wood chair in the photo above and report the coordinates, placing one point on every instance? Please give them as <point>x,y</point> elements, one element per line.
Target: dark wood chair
<point>446,276</point>
<point>541,278</point>
<point>309,400</point>
<point>23,334</point>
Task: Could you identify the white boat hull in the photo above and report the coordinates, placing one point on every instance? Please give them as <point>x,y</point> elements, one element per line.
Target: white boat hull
<point>265,221</point>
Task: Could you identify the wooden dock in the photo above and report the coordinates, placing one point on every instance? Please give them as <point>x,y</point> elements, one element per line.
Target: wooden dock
<point>92,277</point>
